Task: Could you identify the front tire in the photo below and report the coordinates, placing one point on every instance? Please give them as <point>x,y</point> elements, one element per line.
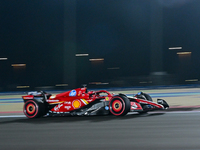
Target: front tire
<point>33,109</point>
<point>119,105</point>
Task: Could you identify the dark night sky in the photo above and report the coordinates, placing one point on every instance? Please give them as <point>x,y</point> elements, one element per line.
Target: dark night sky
<point>117,30</point>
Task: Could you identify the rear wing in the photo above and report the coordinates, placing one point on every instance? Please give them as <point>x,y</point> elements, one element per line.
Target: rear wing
<point>37,95</point>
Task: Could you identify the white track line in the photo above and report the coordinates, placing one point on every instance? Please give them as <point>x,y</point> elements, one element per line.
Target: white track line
<point>192,111</point>
<point>13,116</point>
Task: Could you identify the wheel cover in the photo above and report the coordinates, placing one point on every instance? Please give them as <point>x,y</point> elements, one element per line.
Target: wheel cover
<point>117,106</point>
<point>31,109</point>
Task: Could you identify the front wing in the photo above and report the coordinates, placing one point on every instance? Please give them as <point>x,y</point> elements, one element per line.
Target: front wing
<point>139,105</point>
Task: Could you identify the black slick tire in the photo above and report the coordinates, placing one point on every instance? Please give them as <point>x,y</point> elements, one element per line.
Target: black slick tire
<point>119,105</point>
<point>33,109</point>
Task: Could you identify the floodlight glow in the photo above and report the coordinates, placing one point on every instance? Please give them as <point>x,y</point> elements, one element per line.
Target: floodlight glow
<point>192,80</point>
<point>81,55</point>
<point>173,48</point>
<point>97,59</point>
<point>23,87</point>
<point>143,82</point>
<point>18,65</point>
<point>99,83</point>
<point>61,84</point>
<point>183,53</point>
<point>3,58</point>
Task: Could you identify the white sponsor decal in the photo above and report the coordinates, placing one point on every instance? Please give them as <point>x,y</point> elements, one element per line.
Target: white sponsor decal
<point>68,102</point>
<point>52,100</point>
<point>57,107</point>
<point>67,107</point>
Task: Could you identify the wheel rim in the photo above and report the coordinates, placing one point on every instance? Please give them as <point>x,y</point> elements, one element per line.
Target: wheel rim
<point>30,109</point>
<point>117,106</point>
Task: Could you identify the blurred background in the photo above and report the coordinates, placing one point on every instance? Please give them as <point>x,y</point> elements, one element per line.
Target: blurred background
<point>61,44</point>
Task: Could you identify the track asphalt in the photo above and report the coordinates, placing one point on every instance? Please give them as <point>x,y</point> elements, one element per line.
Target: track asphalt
<point>153,131</point>
<point>178,99</point>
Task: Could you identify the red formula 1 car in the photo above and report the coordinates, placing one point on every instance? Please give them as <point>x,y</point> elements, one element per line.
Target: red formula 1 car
<point>82,102</point>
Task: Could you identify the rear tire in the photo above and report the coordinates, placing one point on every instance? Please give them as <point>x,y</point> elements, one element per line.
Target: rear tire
<point>33,109</point>
<point>119,105</point>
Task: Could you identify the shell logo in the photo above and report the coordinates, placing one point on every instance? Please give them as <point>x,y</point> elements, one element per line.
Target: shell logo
<point>76,104</point>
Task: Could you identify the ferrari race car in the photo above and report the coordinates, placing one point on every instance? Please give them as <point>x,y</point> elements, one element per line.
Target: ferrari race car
<point>82,102</point>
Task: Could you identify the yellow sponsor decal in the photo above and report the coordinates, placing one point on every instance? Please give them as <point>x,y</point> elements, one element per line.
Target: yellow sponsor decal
<point>84,101</point>
<point>107,98</point>
<point>53,96</point>
<point>76,104</point>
